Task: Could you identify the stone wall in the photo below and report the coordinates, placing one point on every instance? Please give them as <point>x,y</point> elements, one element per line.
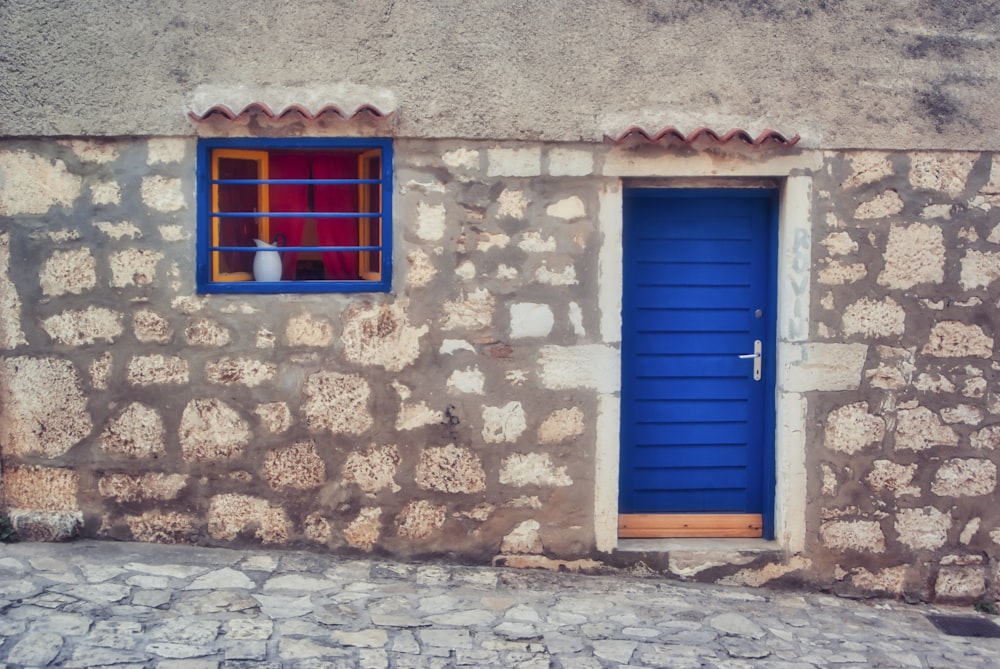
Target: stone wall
<point>905,466</point>
<point>457,415</point>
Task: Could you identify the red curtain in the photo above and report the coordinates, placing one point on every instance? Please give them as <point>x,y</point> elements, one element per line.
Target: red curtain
<point>288,198</point>
<point>320,199</point>
<point>337,231</point>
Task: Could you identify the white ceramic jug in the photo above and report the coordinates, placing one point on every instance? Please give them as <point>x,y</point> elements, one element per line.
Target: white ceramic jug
<point>266,264</point>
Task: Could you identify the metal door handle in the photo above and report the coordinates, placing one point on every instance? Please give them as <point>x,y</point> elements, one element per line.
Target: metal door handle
<point>756,356</point>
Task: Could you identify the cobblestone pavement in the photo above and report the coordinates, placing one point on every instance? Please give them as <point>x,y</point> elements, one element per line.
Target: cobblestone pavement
<point>104,604</point>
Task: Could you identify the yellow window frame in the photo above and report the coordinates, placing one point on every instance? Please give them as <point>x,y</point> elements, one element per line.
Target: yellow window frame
<point>369,167</point>
<point>263,205</point>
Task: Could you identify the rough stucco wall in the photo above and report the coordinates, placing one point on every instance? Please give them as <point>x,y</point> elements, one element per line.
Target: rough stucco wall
<point>919,73</point>
<point>457,415</point>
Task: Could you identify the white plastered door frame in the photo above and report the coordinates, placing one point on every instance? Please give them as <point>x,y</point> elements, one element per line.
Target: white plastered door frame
<point>794,277</point>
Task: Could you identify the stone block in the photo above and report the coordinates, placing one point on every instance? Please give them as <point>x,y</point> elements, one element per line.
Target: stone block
<point>919,428</point>
<point>33,184</point>
<point>364,531</point>
<point>851,428</point>
<point>305,330</point>
<point>73,272</point>
<point>42,406</point>
<point>381,336</point>
<point>511,162</point>
<point>46,525</point>
<point>33,488</point>
<point>163,194</point>
<point>864,536</point>
<point>231,515</point>
<point>148,370</point>
<point>163,527</point>
<point>83,327</point>
<point>373,469</point>
<point>420,519</point>
<point>151,328</point>
<point>959,584</point>
<point>504,424</point>
<point>524,538</point>
<point>914,254</point>
<point>533,469</point>
<point>874,318</point>
<point>137,432</point>
<point>337,403</point>
<point>530,320</point>
<point>298,466</point>
<point>210,429</point>
<point>134,267</point>
<point>239,371</point>
<point>923,529</point>
<point>473,311</point>
<point>431,221</point>
<point>565,162</point>
<point>954,339</point>
<point>450,469</point>
<point>567,209</point>
<point>945,172</point>
<point>11,335</point>
<point>588,366</point>
<point>821,366</point>
<point>965,477</point>
<point>882,206</point>
<point>562,425</point>
<point>206,332</point>
<point>979,269</point>
<point>123,487</point>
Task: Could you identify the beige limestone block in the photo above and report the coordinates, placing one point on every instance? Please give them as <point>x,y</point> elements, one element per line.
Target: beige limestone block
<point>975,388</point>
<point>150,327</point>
<point>504,424</point>
<point>864,536</point>
<point>420,519</point>
<point>304,330</point>
<point>363,532</point>
<point>32,184</point>
<point>82,327</point>
<point>506,272</point>
<point>960,584</point>
<point>134,267</point>
<point>462,159</point>
<point>118,231</point>
<point>945,172</point>
<point>450,469</point>
<point>986,439</point>
<point>822,366</point>
<point>830,482</point>
<point>851,428</point>
<point>265,338</point>
<point>165,150</point>
<point>839,244</point>
<point>68,272</point>
<point>755,578</point>
<point>588,366</point>
<point>923,529</point>
<point>206,332</point>
<point>567,209</point>
<point>564,277</point>
<point>933,383</point>
<point>372,470</point>
<point>148,370</point>
<point>507,162</point>
<point>837,273</point>
<point>210,429</point>
<point>523,539</point>
<point>470,381</point>
<point>317,528</point>
<point>534,242</point>
<point>914,254</point>
<point>40,489</point>
<point>886,204</point>
<point>174,233</point>
<point>529,319</point>
<point>893,477</point>
<point>524,469</point>
<point>874,318</point>
<point>232,514</point>
<point>161,193</point>
<point>979,269</point>
<point>11,335</point>
<point>431,221</point>
<point>106,192</point>
<point>868,167</point>
<point>381,336</point>
<point>474,311</point>
<point>43,408</point>
<point>466,271</point>
<point>570,162</point>
<point>276,417</point>
<point>123,487</point>
<point>188,304</point>
<point>512,204</point>
<point>100,371</point>
<point>413,416</point>
<point>890,580</point>
<point>954,339</point>
<point>970,530</point>
<point>421,269</point>
<point>936,211</point>
<point>298,466</point>
<point>337,402</point>
<point>965,477</point>
<point>886,377</point>
<point>489,240</point>
<point>562,425</point>
<point>963,413</point>
<point>101,151</point>
<point>163,527</point>
<point>240,371</point>
<point>137,432</point>
<point>919,428</point>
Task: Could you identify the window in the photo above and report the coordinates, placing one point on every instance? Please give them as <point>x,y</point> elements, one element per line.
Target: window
<point>294,215</point>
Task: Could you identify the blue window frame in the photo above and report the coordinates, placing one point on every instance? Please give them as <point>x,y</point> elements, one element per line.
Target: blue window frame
<point>302,215</point>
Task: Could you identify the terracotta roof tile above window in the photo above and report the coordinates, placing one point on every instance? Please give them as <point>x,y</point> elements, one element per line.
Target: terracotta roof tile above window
<point>671,134</point>
<point>345,100</point>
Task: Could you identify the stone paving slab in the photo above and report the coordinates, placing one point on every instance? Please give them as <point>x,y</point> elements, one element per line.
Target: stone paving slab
<point>105,604</point>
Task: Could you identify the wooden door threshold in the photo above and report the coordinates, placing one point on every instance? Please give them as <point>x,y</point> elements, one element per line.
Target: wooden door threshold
<point>666,525</point>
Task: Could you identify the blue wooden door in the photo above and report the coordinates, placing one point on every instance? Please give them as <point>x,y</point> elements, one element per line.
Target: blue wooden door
<point>697,417</point>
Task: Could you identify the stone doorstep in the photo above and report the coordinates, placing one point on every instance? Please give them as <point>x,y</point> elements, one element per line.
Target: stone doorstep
<point>716,547</point>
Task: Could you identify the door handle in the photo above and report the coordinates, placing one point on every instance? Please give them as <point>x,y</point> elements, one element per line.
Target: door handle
<point>756,356</point>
